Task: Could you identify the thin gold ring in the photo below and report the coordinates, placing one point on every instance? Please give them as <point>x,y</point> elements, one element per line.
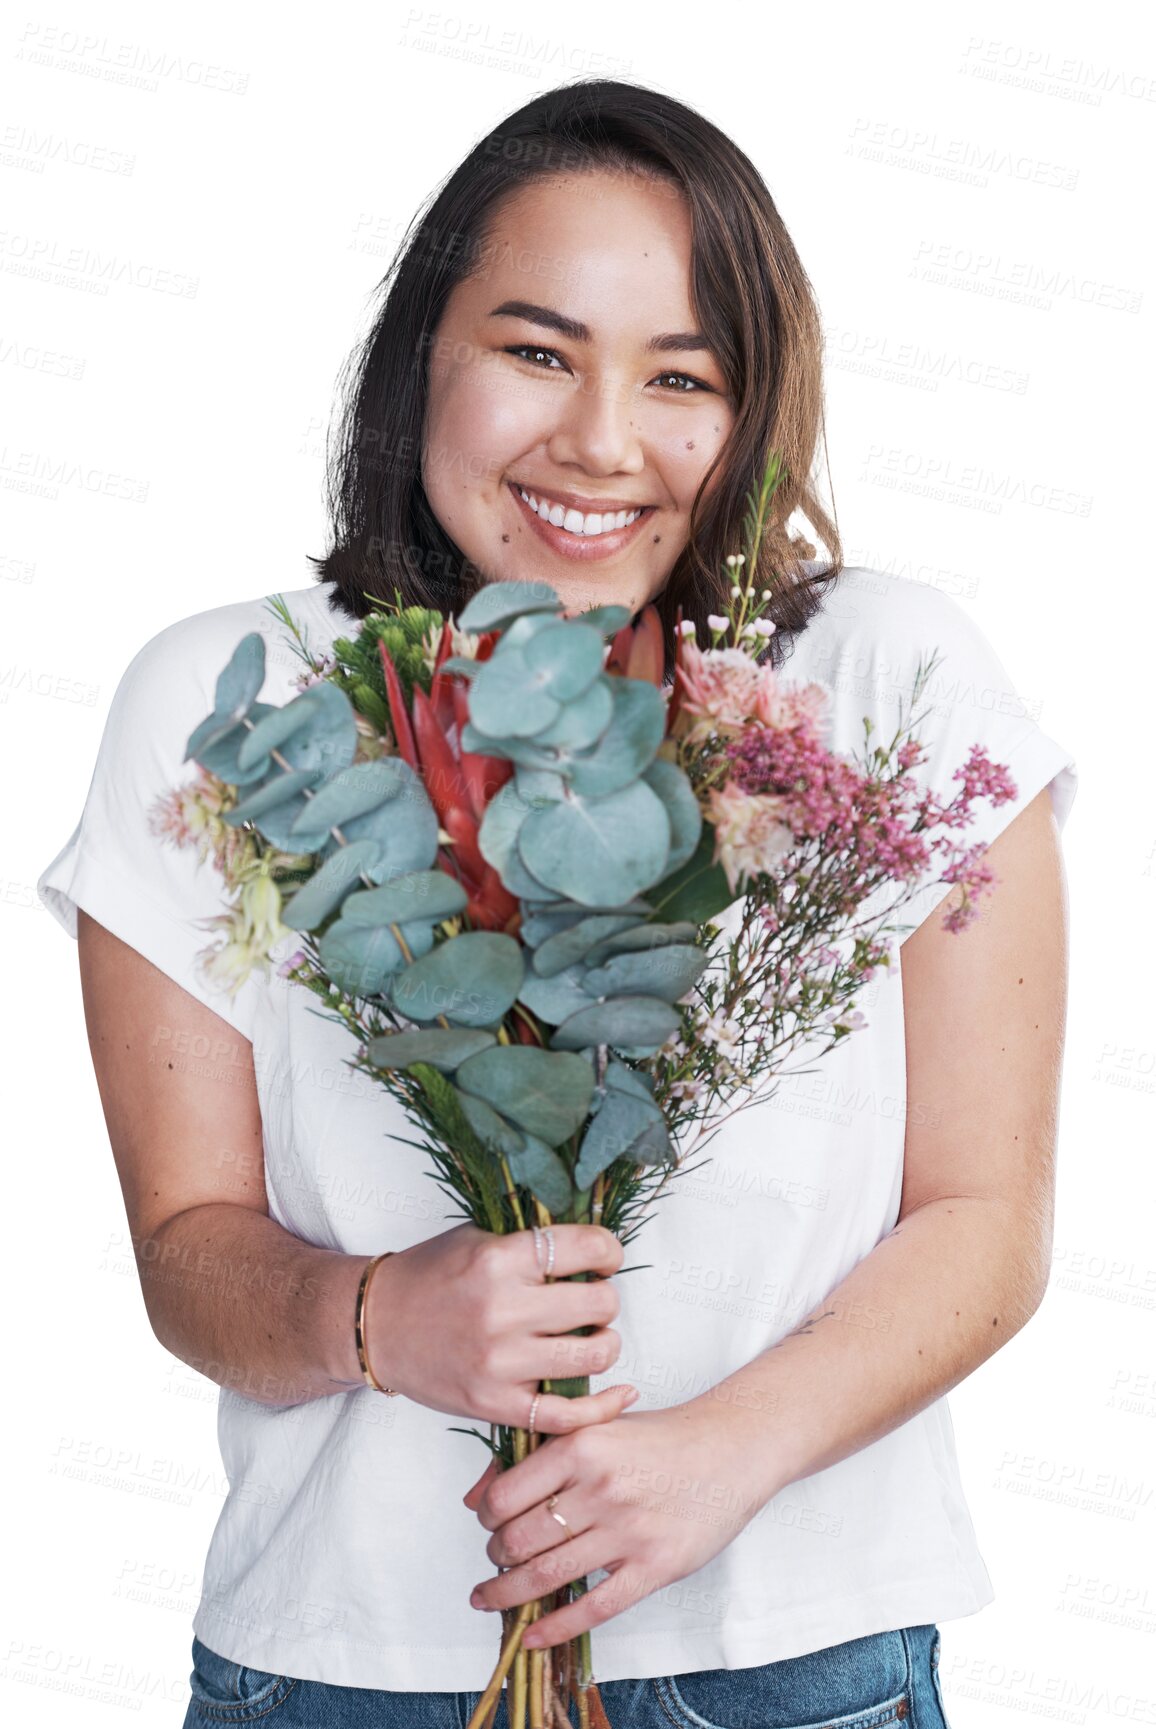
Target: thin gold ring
<point>550,1506</point>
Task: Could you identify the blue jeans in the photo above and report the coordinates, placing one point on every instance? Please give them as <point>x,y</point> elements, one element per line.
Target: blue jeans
<point>863,1684</point>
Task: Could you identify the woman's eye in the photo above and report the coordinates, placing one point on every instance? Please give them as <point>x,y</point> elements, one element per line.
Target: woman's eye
<point>531,351</point>
<point>685,378</point>
<point>530,348</point>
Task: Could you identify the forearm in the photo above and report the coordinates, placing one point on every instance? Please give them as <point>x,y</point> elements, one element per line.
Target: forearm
<point>936,1297</point>
<point>243,1301</point>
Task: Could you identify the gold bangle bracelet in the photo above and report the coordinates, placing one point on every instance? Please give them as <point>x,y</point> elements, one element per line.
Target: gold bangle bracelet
<point>359,1326</point>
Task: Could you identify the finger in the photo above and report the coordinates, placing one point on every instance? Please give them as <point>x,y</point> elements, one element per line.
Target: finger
<point>577,1249</point>
<point>608,1598</point>
<point>519,1487</point>
<point>472,1496</point>
<point>557,1415</point>
<point>568,1560</point>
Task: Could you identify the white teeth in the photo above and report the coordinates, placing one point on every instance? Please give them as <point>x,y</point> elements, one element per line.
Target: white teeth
<point>573,521</point>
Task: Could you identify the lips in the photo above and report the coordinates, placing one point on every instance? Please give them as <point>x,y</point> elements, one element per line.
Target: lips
<point>582,548</point>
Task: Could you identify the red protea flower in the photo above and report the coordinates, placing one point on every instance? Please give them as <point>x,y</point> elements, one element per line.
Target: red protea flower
<point>460,783</point>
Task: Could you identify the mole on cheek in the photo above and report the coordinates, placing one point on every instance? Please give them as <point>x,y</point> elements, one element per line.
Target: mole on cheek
<point>690,444</point>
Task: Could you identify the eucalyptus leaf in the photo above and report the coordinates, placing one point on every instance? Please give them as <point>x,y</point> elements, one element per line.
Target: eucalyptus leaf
<point>497,603</point>
<point>554,999</point>
<point>490,1127</point>
<point>318,729</point>
<point>682,808</point>
<point>564,659</point>
<point>350,793</point>
<point>216,742</point>
<point>668,972</point>
<point>281,788</point>
<point>360,961</point>
<point>505,695</point>
<point>313,902</point>
<point>582,721</point>
<point>628,1080</point>
<point>547,1093</point>
<point>610,617</point>
<point>596,850</point>
<point>637,728</point>
<point>240,682</point>
<point>653,1146</point>
<point>538,1168</point>
<point>443,1047</point>
<point>432,895</point>
<point>638,1025</point>
<point>618,1122</point>
<point>573,943</point>
<point>472,979</point>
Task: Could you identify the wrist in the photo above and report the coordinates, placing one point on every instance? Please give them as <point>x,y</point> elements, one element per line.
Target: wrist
<point>742,1419</point>
<point>338,1281</point>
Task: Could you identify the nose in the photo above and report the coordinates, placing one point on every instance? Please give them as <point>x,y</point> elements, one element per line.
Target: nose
<point>599,429</point>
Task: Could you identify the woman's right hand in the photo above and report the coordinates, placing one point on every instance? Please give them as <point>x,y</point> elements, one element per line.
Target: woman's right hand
<point>465,1323</point>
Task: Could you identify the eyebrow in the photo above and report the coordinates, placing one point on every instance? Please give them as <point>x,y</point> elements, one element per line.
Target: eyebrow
<point>677,342</point>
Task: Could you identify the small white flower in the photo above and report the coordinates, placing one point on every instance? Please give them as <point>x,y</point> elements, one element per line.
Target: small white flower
<point>686,628</point>
<point>716,621</point>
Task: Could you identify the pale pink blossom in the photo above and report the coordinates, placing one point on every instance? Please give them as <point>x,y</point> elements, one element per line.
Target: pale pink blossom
<point>750,835</point>
<point>719,689</point>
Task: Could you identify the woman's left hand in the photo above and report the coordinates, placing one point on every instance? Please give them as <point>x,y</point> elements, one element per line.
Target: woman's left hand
<point>649,1495</point>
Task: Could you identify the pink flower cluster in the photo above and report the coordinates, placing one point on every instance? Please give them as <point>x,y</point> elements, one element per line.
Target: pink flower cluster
<point>787,787</point>
<point>724,689</point>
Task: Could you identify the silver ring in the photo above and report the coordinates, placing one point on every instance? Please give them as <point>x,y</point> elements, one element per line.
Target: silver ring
<point>537,1245</point>
<point>550,1251</point>
<point>533,1412</point>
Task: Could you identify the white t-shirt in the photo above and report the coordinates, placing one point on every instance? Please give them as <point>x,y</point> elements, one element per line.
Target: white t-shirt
<point>343,1552</point>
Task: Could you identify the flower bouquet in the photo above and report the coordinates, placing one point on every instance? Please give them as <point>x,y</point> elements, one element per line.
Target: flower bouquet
<point>503,842</point>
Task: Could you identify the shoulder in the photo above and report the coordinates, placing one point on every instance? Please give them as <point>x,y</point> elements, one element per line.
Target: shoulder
<point>180,664</point>
<point>874,631</point>
<point>880,612</point>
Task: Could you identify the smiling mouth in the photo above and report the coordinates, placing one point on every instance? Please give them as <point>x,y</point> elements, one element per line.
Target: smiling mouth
<point>580,525</point>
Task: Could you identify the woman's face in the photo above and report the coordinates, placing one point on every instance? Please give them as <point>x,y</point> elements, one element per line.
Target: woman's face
<point>569,369</point>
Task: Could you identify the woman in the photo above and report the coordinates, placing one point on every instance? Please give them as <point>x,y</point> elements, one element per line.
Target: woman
<point>595,334</point>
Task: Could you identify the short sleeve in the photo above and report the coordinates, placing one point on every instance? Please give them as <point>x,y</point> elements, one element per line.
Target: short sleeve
<point>150,892</point>
<point>970,699</point>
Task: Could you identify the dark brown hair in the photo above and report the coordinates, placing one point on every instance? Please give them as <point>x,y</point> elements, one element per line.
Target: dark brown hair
<point>748,290</point>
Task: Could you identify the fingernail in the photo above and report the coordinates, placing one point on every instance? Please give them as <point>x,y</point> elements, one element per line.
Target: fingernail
<point>631,1396</point>
<point>475,1598</point>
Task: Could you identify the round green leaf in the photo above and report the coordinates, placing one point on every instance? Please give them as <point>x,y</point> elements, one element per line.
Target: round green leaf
<point>598,850</point>
<point>442,1047</point>
<point>342,871</point>
<point>496,603</point>
<point>538,1168</point>
<point>682,807</point>
<point>432,895</point>
<point>637,728</point>
<point>471,979</point>
<point>505,697</point>
<point>564,659</point>
<point>636,1024</point>
<point>491,1129</point>
<point>667,971</point>
<point>359,961</point>
<point>547,1093</point>
<point>242,678</point>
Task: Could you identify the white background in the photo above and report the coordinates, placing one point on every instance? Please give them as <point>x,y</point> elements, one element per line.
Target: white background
<point>970,191</point>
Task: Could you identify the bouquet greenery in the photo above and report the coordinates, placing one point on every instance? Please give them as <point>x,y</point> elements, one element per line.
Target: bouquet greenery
<point>503,844</point>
